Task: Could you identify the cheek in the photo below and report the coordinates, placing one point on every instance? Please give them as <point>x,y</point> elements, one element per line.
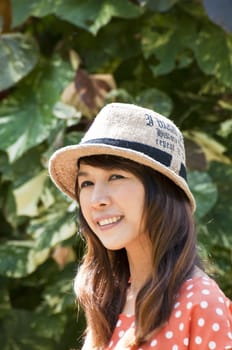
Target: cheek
<point>83,202</point>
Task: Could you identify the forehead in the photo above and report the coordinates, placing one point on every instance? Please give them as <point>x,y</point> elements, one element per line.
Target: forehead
<point>105,162</point>
<point>87,169</point>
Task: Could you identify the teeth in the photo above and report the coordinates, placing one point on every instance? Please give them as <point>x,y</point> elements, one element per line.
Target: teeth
<point>109,221</point>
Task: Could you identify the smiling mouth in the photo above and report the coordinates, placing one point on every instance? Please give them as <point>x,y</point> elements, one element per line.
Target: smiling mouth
<point>109,221</point>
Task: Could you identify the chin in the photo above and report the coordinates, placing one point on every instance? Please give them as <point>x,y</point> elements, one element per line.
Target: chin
<point>113,246</point>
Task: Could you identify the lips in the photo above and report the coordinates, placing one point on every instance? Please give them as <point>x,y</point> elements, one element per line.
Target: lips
<point>109,221</point>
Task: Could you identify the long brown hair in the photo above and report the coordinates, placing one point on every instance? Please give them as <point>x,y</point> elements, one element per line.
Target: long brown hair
<point>102,279</point>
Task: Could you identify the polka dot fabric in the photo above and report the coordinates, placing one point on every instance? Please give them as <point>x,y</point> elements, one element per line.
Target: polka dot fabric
<point>201,319</point>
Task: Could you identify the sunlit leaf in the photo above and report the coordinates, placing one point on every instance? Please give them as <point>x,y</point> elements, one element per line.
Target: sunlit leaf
<point>225,128</point>
<point>65,111</point>
<point>19,259</point>
<point>213,150</point>
<point>28,195</point>
<point>19,54</point>
<point>53,227</point>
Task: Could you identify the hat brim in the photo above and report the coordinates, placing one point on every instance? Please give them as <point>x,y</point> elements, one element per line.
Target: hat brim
<point>63,166</point>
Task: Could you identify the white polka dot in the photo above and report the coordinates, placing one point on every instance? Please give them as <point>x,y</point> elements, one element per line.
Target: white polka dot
<point>121,334</point>
<point>111,344</point>
<point>198,340</point>
<point>153,343</point>
<point>175,347</point>
<point>230,335</point>
<point>178,314</point>
<point>205,292</point>
<point>221,300</point>
<point>186,341</point>
<point>189,305</point>
<point>119,323</point>
<point>169,334</point>
<point>181,326</point>
<point>206,283</point>
<point>190,287</point>
<point>212,345</point>
<point>201,322</point>
<point>189,295</point>
<point>215,327</point>
<point>176,305</point>
<point>219,311</point>
<point>204,304</point>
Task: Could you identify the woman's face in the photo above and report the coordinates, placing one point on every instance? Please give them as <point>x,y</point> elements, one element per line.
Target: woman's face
<point>112,202</point>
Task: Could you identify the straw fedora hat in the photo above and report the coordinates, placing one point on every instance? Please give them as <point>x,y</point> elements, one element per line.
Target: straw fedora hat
<point>128,131</point>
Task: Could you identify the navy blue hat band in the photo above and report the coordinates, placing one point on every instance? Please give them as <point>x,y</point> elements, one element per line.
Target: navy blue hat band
<point>152,152</point>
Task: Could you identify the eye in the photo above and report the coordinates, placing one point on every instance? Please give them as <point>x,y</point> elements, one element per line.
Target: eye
<point>86,183</point>
<point>116,177</point>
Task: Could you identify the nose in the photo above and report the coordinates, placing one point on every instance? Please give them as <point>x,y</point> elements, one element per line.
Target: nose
<point>100,196</point>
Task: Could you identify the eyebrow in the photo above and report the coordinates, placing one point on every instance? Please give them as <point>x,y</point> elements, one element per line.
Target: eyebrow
<point>82,173</point>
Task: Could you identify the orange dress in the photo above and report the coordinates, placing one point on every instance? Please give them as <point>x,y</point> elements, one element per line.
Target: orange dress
<point>201,320</point>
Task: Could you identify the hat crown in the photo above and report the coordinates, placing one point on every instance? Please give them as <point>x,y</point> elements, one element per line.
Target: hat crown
<point>129,126</point>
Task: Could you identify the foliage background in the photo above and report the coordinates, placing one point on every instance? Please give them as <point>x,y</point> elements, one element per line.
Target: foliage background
<point>60,61</point>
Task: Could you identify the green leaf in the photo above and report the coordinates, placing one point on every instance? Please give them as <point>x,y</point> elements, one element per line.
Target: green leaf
<point>213,52</point>
<point>221,214</point>
<point>156,100</point>
<point>225,128</point>
<point>204,191</point>
<point>19,54</point>
<point>18,332</point>
<point>164,38</point>
<point>103,53</point>
<point>16,173</point>
<point>19,259</point>
<point>93,15</point>
<point>90,15</point>
<point>26,117</point>
<point>59,295</point>
<point>57,225</point>
<point>4,298</point>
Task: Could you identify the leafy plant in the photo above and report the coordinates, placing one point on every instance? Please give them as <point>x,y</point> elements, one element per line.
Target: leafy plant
<point>60,61</point>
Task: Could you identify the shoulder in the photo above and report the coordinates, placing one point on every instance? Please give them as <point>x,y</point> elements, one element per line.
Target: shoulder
<point>205,314</point>
<point>203,291</point>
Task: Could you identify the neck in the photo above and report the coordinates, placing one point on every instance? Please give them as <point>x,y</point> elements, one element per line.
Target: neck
<point>140,263</point>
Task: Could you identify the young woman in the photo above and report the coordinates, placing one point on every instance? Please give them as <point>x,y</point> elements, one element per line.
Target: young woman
<point>140,283</point>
